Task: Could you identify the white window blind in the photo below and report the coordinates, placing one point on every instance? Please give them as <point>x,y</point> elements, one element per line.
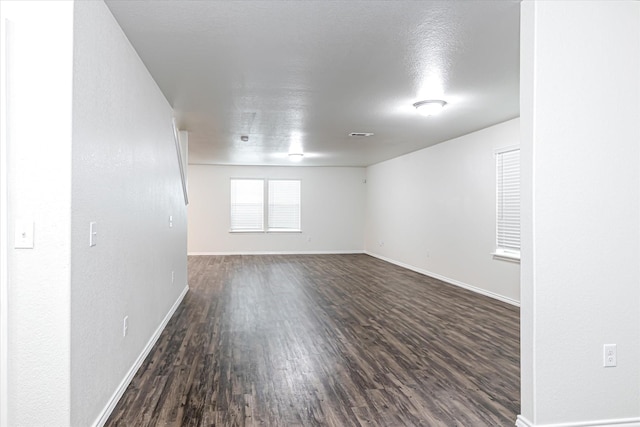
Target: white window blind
<point>247,205</point>
<point>508,201</point>
<point>284,205</point>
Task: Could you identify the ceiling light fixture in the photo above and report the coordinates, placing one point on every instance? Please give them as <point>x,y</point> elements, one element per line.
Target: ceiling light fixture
<point>430,107</point>
<point>296,157</point>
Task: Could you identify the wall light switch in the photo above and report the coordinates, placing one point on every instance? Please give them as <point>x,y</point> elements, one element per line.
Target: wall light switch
<point>23,238</point>
<point>170,221</point>
<point>93,234</point>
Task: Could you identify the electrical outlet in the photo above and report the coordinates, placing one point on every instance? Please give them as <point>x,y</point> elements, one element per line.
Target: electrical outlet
<point>23,234</point>
<point>170,221</point>
<point>610,355</point>
<point>125,326</point>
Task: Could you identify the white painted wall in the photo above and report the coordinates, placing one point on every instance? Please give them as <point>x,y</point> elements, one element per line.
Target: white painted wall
<point>4,211</point>
<point>39,178</point>
<point>434,211</point>
<point>333,201</point>
<point>580,96</point>
<point>125,178</point>
<point>89,138</point>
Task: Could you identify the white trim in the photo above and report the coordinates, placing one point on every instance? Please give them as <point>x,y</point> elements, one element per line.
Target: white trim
<point>182,162</point>
<point>5,28</point>
<point>266,231</point>
<point>621,422</point>
<point>506,256</point>
<point>522,422</point>
<point>351,252</point>
<point>506,149</point>
<point>117,394</point>
<point>448,280</point>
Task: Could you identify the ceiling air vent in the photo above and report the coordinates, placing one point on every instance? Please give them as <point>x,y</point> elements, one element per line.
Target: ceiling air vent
<point>361,134</point>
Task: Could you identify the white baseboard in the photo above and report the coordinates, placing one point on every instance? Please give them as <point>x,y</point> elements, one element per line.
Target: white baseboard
<point>523,422</point>
<point>113,401</point>
<point>448,280</point>
<point>621,422</point>
<point>355,251</point>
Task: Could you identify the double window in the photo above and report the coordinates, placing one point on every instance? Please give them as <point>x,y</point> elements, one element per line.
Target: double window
<point>256,202</point>
<point>508,203</point>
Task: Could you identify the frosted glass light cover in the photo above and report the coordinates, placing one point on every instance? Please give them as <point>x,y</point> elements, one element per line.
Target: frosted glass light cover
<point>430,108</point>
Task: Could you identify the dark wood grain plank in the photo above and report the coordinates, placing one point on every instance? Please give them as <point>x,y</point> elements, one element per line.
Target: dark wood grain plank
<point>326,340</point>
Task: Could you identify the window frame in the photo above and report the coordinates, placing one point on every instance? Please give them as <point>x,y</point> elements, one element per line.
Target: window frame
<point>504,252</point>
<point>265,206</point>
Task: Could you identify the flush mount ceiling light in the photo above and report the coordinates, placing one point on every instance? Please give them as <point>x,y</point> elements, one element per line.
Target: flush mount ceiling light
<point>430,107</point>
<point>295,157</point>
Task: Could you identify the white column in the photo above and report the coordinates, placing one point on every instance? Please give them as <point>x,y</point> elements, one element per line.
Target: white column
<point>580,148</point>
<point>38,128</point>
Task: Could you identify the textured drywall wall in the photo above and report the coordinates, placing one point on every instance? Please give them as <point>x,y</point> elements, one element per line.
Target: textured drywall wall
<point>126,179</point>
<point>332,210</point>
<point>581,234</point>
<point>39,178</point>
<point>434,210</point>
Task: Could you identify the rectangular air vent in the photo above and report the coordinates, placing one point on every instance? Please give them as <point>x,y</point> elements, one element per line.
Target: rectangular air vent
<point>361,134</point>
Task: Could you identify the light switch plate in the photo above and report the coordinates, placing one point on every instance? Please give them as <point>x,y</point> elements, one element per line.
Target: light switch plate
<point>93,234</point>
<point>23,238</point>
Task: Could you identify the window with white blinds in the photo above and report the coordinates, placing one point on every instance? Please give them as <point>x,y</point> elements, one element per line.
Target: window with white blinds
<point>251,210</point>
<point>284,205</point>
<point>508,202</point>
<point>247,205</point>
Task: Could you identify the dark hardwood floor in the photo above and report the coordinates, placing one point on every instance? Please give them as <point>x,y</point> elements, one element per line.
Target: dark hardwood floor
<point>331,340</point>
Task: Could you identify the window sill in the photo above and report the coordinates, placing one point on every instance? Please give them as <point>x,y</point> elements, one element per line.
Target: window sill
<point>263,231</point>
<point>507,256</point>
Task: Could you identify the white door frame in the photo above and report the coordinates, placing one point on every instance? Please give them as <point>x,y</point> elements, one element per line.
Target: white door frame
<point>5,27</point>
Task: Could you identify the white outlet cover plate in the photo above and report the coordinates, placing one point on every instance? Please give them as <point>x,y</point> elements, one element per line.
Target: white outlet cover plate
<point>610,356</point>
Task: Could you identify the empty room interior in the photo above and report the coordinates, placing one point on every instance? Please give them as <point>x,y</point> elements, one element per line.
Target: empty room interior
<point>320,213</point>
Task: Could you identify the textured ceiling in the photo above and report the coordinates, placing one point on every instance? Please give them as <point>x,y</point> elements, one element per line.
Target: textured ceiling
<point>302,75</point>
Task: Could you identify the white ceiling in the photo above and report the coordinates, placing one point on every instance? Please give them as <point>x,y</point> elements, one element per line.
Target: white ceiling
<point>308,73</point>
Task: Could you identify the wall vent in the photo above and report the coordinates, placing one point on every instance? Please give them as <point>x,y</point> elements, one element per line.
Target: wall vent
<point>361,134</point>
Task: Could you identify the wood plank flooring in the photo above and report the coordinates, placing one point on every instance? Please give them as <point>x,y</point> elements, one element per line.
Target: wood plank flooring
<point>326,340</point>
